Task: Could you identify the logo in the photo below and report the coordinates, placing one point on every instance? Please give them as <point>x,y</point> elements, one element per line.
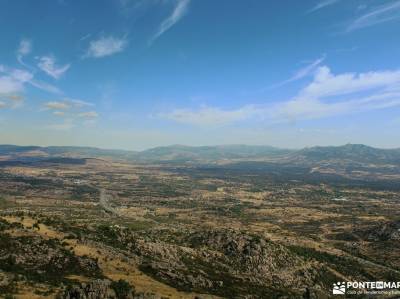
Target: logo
<point>339,288</point>
<point>366,287</point>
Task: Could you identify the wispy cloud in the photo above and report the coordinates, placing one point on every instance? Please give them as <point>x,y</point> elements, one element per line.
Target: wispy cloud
<point>377,15</point>
<point>24,48</point>
<point>45,86</point>
<point>327,84</point>
<point>14,101</point>
<point>72,111</point>
<point>89,114</point>
<point>66,125</point>
<point>326,96</point>
<point>10,85</point>
<point>178,13</point>
<point>66,104</point>
<point>84,37</point>
<point>57,105</point>
<point>301,73</point>
<point>48,65</point>
<point>21,75</point>
<point>59,113</point>
<point>11,101</point>
<point>329,94</point>
<point>322,4</point>
<point>14,81</point>
<point>14,97</point>
<point>106,46</point>
<point>78,103</point>
<point>210,116</point>
<point>135,8</point>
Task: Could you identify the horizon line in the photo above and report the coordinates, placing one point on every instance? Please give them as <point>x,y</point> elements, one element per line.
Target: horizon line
<point>197,146</point>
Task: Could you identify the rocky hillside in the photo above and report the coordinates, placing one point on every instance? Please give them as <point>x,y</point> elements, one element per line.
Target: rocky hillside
<point>228,263</point>
<point>386,231</point>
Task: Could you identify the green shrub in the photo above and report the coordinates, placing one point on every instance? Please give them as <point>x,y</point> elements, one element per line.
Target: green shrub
<point>122,288</point>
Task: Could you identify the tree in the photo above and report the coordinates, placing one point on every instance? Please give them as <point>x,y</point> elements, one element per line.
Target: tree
<point>122,289</point>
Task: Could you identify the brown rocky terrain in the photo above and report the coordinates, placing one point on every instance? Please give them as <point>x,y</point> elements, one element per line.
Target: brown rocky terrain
<point>113,228</point>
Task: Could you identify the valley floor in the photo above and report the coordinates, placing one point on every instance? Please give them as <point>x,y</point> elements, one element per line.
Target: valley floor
<point>179,231</point>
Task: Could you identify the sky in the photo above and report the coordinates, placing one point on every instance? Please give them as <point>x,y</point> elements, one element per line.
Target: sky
<point>135,74</point>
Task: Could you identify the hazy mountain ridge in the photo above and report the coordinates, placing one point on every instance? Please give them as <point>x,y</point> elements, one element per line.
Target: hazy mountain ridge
<point>24,151</point>
<point>349,153</point>
<point>219,152</point>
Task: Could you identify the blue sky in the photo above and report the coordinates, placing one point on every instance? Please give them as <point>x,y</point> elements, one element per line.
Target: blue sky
<point>135,74</point>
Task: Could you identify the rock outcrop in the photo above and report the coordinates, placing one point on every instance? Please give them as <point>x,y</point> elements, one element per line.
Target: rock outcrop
<point>100,289</point>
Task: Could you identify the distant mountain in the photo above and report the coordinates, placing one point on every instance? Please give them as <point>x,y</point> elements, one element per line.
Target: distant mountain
<point>349,154</point>
<point>70,151</point>
<point>357,153</point>
<point>90,151</point>
<point>210,153</point>
<point>6,149</point>
<point>177,153</point>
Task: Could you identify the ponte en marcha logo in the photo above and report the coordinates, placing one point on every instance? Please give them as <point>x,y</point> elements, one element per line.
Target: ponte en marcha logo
<point>366,287</point>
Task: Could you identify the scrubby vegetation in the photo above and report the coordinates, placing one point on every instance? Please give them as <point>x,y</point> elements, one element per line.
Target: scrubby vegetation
<point>265,229</point>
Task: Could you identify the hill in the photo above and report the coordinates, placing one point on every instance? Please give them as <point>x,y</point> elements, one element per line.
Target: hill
<point>210,153</point>
<point>357,153</point>
<point>349,154</point>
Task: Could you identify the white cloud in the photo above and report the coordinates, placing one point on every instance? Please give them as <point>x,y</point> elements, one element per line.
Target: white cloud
<point>66,104</point>
<point>106,46</point>
<point>326,96</point>
<point>78,103</point>
<point>90,114</point>
<point>210,116</point>
<point>178,13</point>
<point>65,126</point>
<point>59,113</point>
<point>45,86</point>
<point>331,94</point>
<point>24,48</point>
<point>14,80</point>
<point>327,84</point>
<point>309,108</point>
<point>57,105</point>
<point>48,65</point>
<point>381,14</point>
<point>302,73</point>
<point>84,37</point>
<point>21,75</point>
<point>71,111</point>
<point>135,8</point>
<point>10,85</point>
<point>307,70</point>
<point>9,100</point>
<point>322,4</point>
<point>14,97</point>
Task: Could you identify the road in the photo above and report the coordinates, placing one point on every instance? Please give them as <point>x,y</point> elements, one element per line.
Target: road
<point>105,202</point>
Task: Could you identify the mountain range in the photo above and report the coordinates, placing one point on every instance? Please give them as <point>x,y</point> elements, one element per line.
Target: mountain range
<point>183,153</point>
<point>349,153</point>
